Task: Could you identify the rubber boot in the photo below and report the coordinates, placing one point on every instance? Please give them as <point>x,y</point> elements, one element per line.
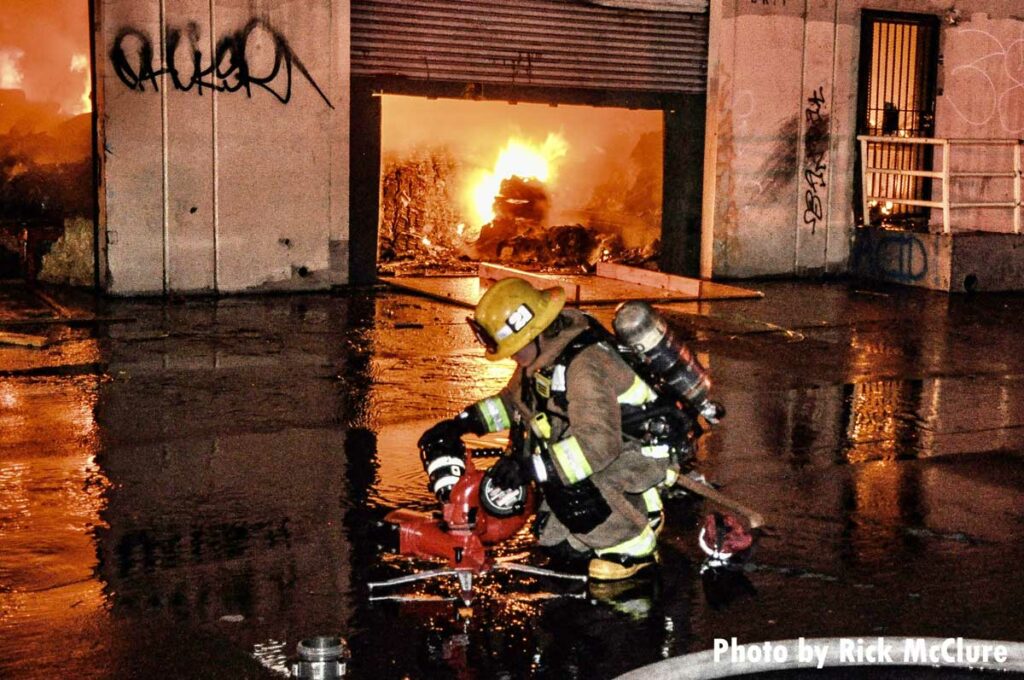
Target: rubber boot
<point>615,566</point>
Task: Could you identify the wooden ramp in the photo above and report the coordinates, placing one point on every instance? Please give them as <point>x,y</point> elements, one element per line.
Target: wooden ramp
<point>612,284</point>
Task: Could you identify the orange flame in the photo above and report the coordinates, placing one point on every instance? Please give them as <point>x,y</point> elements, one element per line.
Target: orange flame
<point>10,75</point>
<point>520,157</point>
<point>80,64</point>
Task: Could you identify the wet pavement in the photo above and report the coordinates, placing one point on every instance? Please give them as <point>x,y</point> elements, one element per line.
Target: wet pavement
<point>189,489</point>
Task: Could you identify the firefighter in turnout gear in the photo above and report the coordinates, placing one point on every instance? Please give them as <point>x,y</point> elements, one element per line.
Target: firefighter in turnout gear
<point>581,428</point>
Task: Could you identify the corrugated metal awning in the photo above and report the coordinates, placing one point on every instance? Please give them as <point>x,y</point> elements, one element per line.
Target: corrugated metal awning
<point>531,43</point>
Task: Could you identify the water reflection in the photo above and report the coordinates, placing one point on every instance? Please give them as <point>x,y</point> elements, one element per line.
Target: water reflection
<point>883,421</point>
<point>512,633</point>
<point>212,498</point>
<point>234,472</point>
<point>518,627</point>
<point>51,495</point>
<point>725,587</point>
<point>252,445</point>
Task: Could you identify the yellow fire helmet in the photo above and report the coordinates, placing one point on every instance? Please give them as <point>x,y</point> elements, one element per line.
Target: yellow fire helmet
<point>511,314</point>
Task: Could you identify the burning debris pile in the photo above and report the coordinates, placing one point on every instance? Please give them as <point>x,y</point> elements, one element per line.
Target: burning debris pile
<point>45,180</point>
<point>518,235</point>
<point>422,228</point>
<point>520,207</point>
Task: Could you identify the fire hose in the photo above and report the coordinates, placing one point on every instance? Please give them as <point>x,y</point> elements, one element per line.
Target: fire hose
<point>754,518</point>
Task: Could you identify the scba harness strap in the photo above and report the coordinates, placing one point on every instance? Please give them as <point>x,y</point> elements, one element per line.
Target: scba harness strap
<point>549,382</point>
<point>577,502</point>
<point>649,417</point>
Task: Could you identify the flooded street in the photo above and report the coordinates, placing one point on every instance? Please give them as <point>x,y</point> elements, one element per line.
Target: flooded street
<point>189,489</point>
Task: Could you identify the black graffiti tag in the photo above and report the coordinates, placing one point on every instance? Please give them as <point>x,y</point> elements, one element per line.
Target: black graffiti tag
<point>523,62</point>
<point>229,70</point>
<point>900,257</point>
<point>816,140</point>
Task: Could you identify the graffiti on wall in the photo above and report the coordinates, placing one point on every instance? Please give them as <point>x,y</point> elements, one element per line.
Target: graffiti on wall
<point>990,88</point>
<point>521,64</point>
<point>230,68</point>
<point>895,256</point>
<point>816,142</point>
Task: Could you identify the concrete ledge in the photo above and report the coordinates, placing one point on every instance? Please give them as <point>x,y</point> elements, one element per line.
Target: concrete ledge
<point>958,262</point>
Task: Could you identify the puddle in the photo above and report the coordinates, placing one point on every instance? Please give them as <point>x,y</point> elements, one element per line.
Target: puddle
<point>197,491</point>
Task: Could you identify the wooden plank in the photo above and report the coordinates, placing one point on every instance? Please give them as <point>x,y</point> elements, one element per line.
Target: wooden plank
<point>22,339</point>
<point>647,277</point>
<point>721,291</point>
<point>601,290</point>
<point>466,291</point>
<point>496,272</point>
<point>70,321</point>
<point>50,302</point>
<point>705,290</point>
<point>463,291</point>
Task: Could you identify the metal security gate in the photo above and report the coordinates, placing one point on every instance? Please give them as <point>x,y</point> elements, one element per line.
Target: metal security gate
<point>898,66</point>
<point>530,44</point>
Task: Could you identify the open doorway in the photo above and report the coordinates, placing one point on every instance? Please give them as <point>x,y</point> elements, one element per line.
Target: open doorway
<point>47,186</point>
<point>528,185</point>
<point>896,98</point>
<point>626,167</point>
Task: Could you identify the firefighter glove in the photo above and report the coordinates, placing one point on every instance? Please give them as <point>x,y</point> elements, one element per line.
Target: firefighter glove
<point>444,463</point>
<point>508,474</point>
<point>442,452</point>
<point>451,430</point>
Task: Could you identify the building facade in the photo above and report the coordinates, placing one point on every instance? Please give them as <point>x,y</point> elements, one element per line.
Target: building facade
<point>224,145</point>
<point>239,143</point>
<point>793,84</point>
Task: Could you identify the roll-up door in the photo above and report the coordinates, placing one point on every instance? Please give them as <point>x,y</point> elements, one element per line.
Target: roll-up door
<point>531,43</point>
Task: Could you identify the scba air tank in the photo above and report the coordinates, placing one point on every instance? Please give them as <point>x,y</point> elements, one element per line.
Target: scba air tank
<point>668,362</point>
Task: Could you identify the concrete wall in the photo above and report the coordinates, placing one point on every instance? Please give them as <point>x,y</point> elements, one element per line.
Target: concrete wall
<point>959,262</point>
<point>225,158</point>
<point>781,107</point>
<point>982,96</point>
<point>981,79</point>
<point>905,257</point>
<point>780,164</point>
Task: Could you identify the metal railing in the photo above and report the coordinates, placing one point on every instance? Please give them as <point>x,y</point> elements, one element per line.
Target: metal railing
<point>868,173</point>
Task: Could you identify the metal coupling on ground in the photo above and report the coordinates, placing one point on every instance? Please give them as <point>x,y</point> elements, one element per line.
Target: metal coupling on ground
<point>323,657</point>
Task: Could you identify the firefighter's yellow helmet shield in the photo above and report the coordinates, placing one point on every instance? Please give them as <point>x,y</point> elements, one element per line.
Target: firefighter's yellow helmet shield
<point>512,313</point>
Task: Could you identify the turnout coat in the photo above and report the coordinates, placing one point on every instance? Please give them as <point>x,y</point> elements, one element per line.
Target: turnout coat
<point>604,492</point>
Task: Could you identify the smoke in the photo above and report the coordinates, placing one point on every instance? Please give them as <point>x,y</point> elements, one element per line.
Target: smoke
<point>44,48</point>
<point>627,200</point>
<point>45,137</point>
